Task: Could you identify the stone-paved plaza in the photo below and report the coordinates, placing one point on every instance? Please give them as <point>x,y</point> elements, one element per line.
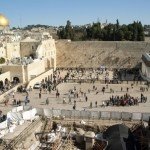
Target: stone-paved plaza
<point>92,96</point>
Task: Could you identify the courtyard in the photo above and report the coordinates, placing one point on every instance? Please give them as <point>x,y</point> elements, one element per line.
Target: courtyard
<point>93,92</point>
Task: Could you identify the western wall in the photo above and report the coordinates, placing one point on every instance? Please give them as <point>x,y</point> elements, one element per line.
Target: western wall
<point>95,53</point>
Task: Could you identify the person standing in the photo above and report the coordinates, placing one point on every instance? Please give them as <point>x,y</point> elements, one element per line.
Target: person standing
<point>69,98</point>
<point>13,94</point>
<point>127,89</point>
<point>91,105</point>
<point>26,100</point>
<point>121,89</point>
<point>74,107</point>
<point>96,104</point>
<point>40,95</point>
<point>86,98</point>
<point>49,89</point>
<point>47,101</point>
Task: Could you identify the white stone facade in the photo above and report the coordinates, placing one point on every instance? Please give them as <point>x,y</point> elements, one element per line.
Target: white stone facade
<point>44,57</point>
<point>146,66</point>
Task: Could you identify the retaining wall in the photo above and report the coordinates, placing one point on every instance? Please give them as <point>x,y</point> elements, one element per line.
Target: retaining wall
<point>40,78</point>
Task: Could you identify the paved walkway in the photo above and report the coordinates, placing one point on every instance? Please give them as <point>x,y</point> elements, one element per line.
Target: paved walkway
<point>81,104</point>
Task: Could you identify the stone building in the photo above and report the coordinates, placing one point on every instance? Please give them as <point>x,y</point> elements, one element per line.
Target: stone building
<point>12,50</point>
<point>28,47</point>
<point>28,59</point>
<point>2,50</point>
<point>146,66</point>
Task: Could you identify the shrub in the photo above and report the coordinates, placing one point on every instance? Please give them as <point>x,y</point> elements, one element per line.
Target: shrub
<point>2,60</point>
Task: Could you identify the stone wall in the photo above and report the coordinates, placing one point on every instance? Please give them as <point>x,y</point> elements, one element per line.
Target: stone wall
<point>15,71</point>
<point>96,53</point>
<point>36,68</point>
<point>28,48</point>
<point>2,50</point>
<point>13,50</point>
<point>145,70</point>
<point>43,76</point>
<point>47,49</point>
<point>5,75</point>
<point>26,73</point>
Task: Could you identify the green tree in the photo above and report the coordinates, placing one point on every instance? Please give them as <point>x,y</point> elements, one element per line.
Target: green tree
<point>2,60</point>
<point>69,31</point>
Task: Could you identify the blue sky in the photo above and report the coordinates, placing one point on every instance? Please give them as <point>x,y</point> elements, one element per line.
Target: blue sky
<point>57,12</point>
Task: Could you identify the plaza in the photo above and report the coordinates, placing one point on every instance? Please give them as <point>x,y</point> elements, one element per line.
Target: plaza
<point>62,102</point>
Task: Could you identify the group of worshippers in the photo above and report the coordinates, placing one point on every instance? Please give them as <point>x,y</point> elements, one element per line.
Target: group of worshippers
<point>125,100</point>
<point>84,74</point>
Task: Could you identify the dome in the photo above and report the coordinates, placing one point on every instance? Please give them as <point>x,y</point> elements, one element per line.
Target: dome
<point>3,21</point>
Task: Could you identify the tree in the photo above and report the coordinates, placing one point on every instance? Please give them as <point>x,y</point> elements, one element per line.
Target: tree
<point>69,30</point>
<point>2,60</point>
<point>117,25</point>
<point>111,32</point>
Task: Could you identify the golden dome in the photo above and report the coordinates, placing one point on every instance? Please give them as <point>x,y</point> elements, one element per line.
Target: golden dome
<point>3,21</point>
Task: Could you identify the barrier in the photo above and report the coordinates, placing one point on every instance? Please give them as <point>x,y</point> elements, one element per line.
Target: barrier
<point>48,112</point>
<point>66,113</point>
<point>56,112</point>
<point>136,116</point>
<point>126,116</point>
<point>95,114</point>
<point>145,116</point>
<point>85,114</point>
<point>40,111</point>
<point>116,115</point>
<point>105,115</point>
<point>75,114</point>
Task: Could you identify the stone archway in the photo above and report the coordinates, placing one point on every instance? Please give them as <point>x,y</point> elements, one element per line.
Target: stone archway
<point>16,80</point>
<point>1,84</point>
<point>6,81</point>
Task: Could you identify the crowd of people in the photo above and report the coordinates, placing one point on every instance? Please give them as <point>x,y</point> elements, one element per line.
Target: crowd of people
<point>125,100</point>
<point>74,95</point>
<point>86,75</point>
<point>7,85</point>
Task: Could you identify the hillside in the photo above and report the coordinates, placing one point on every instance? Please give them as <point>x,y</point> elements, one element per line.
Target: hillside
<point>96,53</point>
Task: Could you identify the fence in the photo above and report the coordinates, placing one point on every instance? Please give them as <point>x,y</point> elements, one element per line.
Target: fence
<point>103,81</point>
<point>105,115</point>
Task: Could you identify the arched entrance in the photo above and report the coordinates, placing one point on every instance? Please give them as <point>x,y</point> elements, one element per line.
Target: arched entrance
<point>6,81</point>
<point>1,84</point>
<point>16,80</point>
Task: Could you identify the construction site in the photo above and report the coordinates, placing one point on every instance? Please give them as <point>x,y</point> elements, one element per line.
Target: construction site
<point>59,133</point>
